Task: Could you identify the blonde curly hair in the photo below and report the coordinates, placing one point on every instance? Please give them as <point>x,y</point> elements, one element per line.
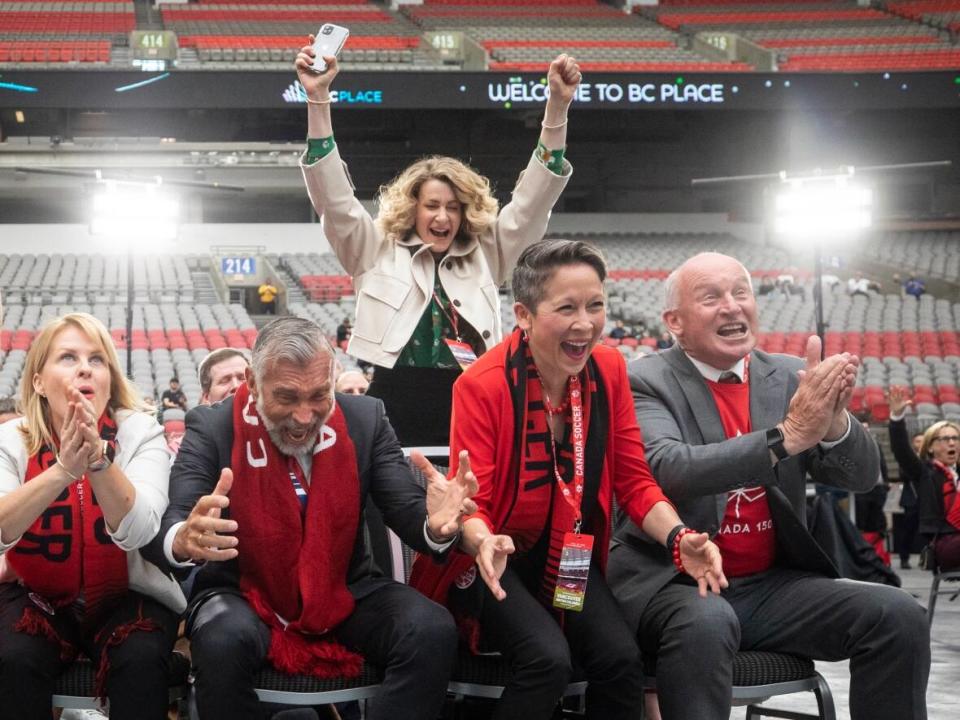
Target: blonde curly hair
<point>398,199</point>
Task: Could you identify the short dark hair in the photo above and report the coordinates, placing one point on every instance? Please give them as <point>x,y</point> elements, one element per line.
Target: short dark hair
<point>214,358</point>
<point>7,405</point>
<point>175,379</point>
<point>538,262</point>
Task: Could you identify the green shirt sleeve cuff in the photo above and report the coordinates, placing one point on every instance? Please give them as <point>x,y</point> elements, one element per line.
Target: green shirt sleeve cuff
<point>551,159</point>
<point>319,148</point>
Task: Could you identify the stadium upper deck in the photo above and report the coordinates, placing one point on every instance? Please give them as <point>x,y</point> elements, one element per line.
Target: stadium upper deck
<point>675,36</point>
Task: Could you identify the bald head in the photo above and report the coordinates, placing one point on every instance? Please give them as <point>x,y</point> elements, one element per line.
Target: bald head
<point>710,308</point>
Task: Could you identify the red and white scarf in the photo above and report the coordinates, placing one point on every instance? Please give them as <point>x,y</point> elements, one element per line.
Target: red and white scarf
<point>294,561</point>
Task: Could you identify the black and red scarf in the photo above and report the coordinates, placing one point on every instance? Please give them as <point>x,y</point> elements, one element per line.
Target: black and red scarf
<point>66,555</point>
<point>534,511</point>
<point>293,559</point>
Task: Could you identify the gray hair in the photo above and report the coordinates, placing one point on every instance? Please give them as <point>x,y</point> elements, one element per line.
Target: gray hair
<point>671,286</point>
<point>671,295</point>
<point>290,339</point>
<point>537,263</point>
<point>214,358</point>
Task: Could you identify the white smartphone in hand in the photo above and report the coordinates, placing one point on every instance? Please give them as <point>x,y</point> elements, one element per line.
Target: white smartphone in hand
<point>328,43</point>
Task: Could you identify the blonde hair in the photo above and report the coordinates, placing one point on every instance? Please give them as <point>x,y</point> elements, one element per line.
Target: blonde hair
<point>931,434</point>
<point>36,429</point>
<point>398,199</point>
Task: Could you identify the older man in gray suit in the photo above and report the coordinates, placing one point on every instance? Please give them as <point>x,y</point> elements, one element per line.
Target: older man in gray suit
<point>731,433</point>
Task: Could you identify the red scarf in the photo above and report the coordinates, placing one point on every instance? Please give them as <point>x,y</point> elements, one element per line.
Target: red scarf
<point>294,562</point>
<point>66,555</point>
<point>951,494</point>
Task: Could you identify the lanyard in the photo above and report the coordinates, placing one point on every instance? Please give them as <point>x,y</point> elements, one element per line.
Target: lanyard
<point>573,499</point>
<point>451,316</point>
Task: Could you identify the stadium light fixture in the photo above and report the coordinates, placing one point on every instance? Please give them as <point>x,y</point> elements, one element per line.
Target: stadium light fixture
<point>145,213</point>
<point>814,209</point>
<point>821,208</point>
<point>134,215</point>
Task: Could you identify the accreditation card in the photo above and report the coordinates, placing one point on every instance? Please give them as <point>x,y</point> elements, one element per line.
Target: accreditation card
<point>574,568</point>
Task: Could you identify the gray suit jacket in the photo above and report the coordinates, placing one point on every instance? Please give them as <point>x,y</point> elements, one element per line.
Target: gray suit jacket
<point>696,465</point>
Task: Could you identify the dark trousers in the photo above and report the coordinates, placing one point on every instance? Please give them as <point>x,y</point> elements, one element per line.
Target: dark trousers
<point>906,527</point>
<point>137,682</point>
<point>413,639</point>
<point>881,629</point>
<point>541,653</point>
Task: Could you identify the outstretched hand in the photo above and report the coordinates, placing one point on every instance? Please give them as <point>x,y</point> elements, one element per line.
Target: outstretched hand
<point>701,560</point>
<point>447,500</point>
<point>492,561</point>
<point>206,535</point>
<point>899,400</point>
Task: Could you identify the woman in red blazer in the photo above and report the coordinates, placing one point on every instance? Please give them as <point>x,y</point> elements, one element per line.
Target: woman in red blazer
<point>547,418</point>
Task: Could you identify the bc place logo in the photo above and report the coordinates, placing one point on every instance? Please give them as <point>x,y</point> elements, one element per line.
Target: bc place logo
<point>296,94</point>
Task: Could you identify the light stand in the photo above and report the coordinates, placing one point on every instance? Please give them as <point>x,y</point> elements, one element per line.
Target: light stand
<point>813,209</point>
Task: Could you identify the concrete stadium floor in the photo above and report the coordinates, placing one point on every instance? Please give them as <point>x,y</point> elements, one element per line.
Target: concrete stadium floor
<point>943,691</point>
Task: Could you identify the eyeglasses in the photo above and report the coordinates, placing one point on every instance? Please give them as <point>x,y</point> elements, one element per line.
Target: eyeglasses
<point>948,438</point>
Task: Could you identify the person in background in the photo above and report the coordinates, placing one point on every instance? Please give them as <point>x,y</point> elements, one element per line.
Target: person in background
<point>344,331</point>
<point>83,483</point>
<point>914,286</point>
<point>352,382</point>
<point>221,373</point>
<point>8,409</point>
<point>619,332</point>
<point>731,434</point>
<point>666,341</point>
<point>173,397</point>
<point>906,520</point>
<point>268,297</point>
<point>858,285</point>
<point>934,476</point>
<point>427,271</point>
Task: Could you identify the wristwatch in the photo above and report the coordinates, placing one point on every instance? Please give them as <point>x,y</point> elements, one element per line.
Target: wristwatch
<point>775,443</point>
<point>107,455</point>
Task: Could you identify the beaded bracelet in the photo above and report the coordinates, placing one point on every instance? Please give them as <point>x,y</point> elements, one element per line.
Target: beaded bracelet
<point>320,102</point>
<point>677,562</point>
